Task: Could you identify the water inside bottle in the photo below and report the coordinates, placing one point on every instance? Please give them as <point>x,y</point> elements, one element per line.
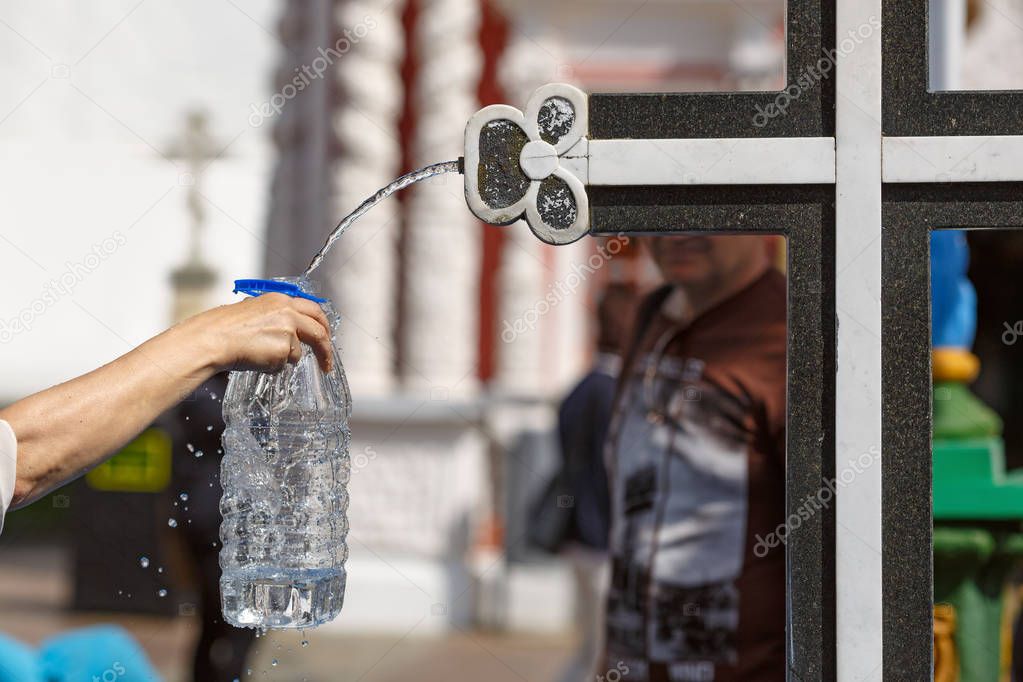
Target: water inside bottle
<point>285,475</point>
<point>276,599</point>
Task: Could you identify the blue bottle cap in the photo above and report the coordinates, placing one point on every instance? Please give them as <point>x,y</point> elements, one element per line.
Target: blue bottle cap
<point>256,287</point>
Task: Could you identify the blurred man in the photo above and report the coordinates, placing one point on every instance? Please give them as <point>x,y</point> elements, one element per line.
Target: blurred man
<point>579,491</point>
<point>696,460</point>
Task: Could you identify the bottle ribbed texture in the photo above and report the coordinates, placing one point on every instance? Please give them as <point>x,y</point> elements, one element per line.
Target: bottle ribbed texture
<point>285,476</point>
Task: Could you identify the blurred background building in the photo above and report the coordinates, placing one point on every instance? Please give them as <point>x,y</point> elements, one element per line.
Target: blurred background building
<point>459,339</point>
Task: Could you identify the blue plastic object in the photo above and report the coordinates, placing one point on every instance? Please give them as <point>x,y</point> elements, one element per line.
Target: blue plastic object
<point>103,652</point>
<point>18,662</point>
<point>257,287</point>
<point>954,301</point>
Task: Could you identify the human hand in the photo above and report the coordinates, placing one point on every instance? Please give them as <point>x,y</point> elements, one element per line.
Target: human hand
<point>264,332</point>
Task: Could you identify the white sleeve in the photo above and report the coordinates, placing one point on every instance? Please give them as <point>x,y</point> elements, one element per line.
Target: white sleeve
<point>8,467</point>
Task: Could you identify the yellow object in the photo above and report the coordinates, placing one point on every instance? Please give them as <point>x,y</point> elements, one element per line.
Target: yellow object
<point>143,466</point>
<point>946,658</point>
<point>1010,614</point>
<point>954,364</point>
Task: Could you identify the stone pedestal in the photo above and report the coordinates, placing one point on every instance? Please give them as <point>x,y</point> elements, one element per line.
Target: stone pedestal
<point>192,285</point>
<point>418,489</point>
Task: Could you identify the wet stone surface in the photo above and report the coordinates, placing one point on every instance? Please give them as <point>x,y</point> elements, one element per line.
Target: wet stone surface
<point>556,204</point>
<point>500,180</point>
<point>555,118</point>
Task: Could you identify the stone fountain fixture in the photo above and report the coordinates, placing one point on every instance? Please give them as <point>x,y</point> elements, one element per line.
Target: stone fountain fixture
<point>531,164</point>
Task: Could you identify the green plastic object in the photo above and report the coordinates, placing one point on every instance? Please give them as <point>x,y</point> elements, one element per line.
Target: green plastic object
<point>969,477</point>
<point>971,483</point>
<point>959,414</point>
<point>977,508</point>
<point>971,568</point>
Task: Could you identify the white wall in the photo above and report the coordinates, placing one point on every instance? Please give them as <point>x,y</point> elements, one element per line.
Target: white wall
<point>92,94</point>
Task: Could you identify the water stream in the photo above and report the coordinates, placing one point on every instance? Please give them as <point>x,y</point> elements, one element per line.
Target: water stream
<point>399,184</point>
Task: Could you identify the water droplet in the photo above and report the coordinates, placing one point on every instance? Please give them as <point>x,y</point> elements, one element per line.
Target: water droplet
<point>172,523</point>
<point>198,453</point>
<point>213,395</point>
<point>305,642</point>
<point>273,662</point>
<point>191,448</point>
<point>183,497</point>
<point>144,562</point>
<point>162,593</point>
<point>209,427</point>
<point>160,569</point>
<point>186,417</point>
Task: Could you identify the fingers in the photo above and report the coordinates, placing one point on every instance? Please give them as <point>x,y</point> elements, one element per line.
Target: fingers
<point>321,342</point>
<point>313,310</point>
<point>314,333</point>
<point>298,319</point>
<point>294,349</point>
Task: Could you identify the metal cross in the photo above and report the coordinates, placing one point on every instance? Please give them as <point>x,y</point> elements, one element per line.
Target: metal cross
<point>855,161</point>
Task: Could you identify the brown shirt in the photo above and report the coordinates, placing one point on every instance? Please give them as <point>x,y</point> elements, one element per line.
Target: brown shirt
<point>696,464</point>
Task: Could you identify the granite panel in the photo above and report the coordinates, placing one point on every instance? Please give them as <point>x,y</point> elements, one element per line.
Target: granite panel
<point>805,214</point>
<point>909,109</point>
<point>804,108</point>
<point>910,212</point>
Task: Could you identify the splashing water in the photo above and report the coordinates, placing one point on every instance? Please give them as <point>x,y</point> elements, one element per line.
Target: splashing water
<point>399,184</point>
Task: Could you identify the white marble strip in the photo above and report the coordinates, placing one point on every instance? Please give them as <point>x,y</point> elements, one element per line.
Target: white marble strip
<point>858,389</point>
<point>737,161</point>
<point>966,158</point>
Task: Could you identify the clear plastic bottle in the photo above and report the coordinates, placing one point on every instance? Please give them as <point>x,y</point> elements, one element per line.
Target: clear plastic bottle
<point>285,474</point>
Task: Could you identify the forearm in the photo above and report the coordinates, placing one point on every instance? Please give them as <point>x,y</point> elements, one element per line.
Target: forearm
<point>64,431</point>
<point>68,429</point>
